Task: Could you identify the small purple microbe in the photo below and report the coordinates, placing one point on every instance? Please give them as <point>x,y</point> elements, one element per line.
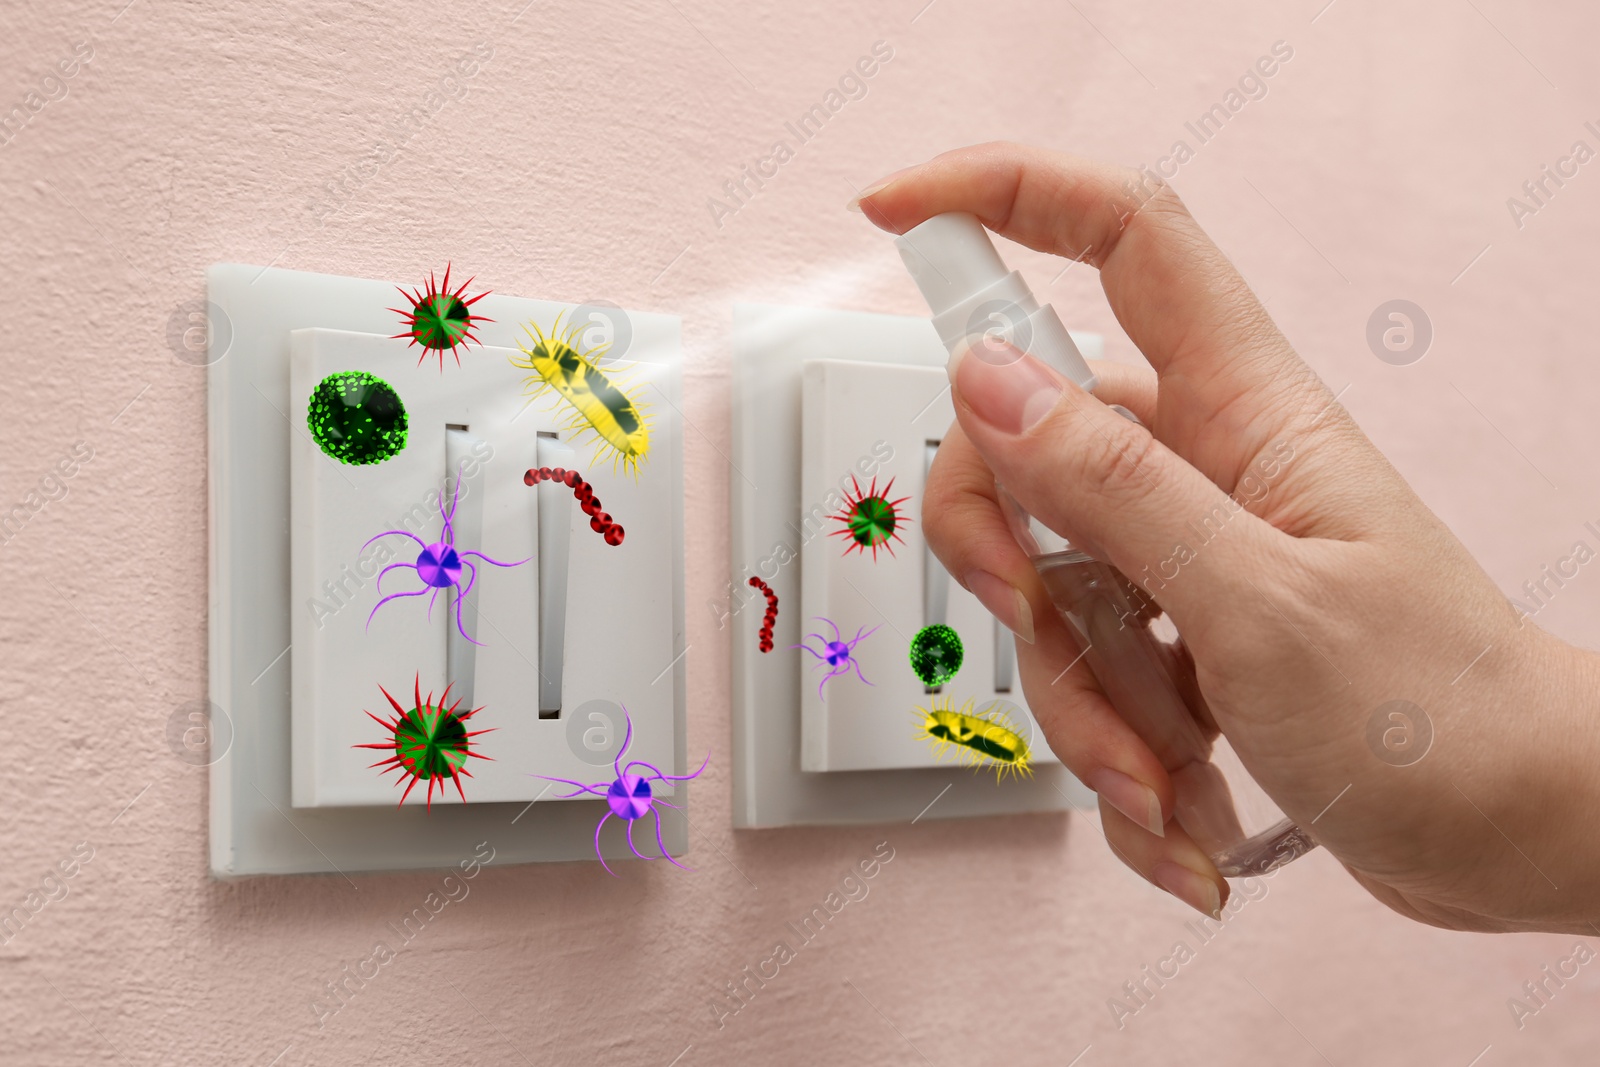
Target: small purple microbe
<point>838,655</point>
<point>439,565</point>
<point>629,797</point>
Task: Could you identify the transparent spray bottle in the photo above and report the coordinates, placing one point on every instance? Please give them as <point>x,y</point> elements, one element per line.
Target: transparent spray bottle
<point>1132,647</point>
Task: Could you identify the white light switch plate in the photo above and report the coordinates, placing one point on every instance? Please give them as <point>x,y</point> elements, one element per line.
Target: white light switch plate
<point>255,827</point>
<point>854,414</point>
<point>773,538</point>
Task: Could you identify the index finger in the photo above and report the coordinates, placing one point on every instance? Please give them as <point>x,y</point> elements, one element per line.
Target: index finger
<point>1175,294</point>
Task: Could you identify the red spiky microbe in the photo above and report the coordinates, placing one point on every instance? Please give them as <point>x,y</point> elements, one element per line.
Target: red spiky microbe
<point>429,740</point>
<point>871,519</point>
<point>439,319</point>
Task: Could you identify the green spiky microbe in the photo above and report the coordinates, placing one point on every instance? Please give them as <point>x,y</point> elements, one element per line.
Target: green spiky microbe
<point>431,742</point>
<point>873,522</point>
<point>357,418</point>
<point>936,654</point>
<point>441,321</point>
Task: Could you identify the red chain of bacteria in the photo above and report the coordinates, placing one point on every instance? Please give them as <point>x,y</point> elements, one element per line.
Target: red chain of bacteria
<point>772,613</point>
<point>599,521</point>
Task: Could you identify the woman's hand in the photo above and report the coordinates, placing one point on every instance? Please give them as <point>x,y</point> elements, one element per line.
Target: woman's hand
<point>1333,591</point>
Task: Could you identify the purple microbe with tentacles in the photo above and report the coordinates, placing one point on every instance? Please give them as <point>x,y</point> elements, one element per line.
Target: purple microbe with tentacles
<point>439,565</point>
<point>629,797</point>
<point>838,655</point>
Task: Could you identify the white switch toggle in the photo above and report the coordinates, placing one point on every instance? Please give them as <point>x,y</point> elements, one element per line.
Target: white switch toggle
<point>1005,658</point>
<point>555,539</point>
<point>935,579</point>
<point>463,485</point>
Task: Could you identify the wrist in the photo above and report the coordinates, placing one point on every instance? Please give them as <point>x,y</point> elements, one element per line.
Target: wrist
<point>1568,742</point>
<point>1548,790</point>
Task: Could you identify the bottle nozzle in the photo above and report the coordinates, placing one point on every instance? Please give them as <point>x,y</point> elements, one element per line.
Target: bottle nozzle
<point>971,294</point>
<point>950,257</point>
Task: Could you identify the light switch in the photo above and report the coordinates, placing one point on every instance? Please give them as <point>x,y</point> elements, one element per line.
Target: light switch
<point>886,419</point>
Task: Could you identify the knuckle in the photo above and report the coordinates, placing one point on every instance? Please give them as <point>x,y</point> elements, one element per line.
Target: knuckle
<point>948,523</point>
<point>940,500</point>
<point>937,529</point>
<point>1165,201</point>
<point>941,491</point>
<point>1123,460</point>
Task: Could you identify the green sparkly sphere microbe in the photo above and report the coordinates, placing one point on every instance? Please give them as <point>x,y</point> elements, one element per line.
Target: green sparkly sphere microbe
<point>357,418</point>
<point>936,654</point>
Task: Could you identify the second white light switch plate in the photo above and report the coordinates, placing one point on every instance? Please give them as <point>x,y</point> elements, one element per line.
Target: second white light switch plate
<point>773,539</point>
<point>884,417</point>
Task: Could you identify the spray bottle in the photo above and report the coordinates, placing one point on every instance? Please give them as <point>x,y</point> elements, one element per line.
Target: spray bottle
<point>1131,646</point>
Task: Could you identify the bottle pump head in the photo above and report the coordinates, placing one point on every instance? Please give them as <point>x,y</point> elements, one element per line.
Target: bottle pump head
<point>954,262</point>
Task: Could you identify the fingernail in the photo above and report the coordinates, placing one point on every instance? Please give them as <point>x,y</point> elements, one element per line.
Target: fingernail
<point>1005,388</point>
<point>1130,796</point>
<point>876,187</point>
<point>1195,890</point>
<point>1004,601</point>
<point>952,366</point>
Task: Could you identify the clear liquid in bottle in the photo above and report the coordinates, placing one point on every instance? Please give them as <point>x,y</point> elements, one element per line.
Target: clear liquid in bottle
<point>1147,674</point>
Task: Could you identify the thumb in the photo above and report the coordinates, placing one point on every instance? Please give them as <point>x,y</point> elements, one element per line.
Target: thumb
<point>1103,481</point>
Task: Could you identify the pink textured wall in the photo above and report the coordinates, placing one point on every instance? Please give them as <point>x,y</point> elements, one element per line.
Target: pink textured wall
<point>578,164</point>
